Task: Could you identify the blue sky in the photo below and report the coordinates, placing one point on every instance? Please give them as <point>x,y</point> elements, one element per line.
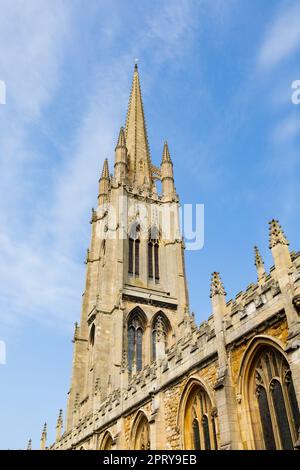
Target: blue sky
<point>216,80</point>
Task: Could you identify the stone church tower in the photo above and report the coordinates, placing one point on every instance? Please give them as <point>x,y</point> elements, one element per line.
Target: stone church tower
<point>144,375</point>
<point>130,264</point>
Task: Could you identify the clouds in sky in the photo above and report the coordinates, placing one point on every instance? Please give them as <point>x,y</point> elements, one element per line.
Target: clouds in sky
<point>45,200</point>
<point>220,73</point>
<point>283,37</point>
<point>46,181</point>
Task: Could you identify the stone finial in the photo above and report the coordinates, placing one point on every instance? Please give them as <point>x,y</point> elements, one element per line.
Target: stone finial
<point>258,258</point>
<point>60,418</point>
<point>216,287</point>
<point>259,263</point>
<point>59,425</point>
<point>166,154</point>
<point>44,437</point>
<point>105,170</point>
<point>277,235</point>
<point>121,139</point>
<point>29,445</point>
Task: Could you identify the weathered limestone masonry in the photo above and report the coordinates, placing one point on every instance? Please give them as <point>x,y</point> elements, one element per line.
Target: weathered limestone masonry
<point>144,375</point>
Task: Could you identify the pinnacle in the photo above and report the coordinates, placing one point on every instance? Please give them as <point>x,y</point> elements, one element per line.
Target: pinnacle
<point>121,139</point>
<point>258,258</point>
<point>216,285</point>
<point>166,154</point>
<point>105,169</point>
<point>277,235</point>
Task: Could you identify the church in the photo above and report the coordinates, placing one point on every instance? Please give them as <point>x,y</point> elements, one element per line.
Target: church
<point>144,375</point>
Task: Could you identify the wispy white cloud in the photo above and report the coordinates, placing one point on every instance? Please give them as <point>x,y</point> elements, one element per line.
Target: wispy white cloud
<point>286,130</point>
<point>282,38</point>
<point>170,28</point>
<point>44,271</point>
<point>31,38</point>
<point>30,33</point>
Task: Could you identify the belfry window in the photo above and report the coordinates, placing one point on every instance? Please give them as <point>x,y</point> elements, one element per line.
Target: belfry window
<point>134,251</point>
<point>153,255</point>
<point>135,344</point>
<point>276,402</point>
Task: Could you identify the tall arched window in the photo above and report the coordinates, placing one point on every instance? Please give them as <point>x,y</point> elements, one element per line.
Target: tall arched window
<point>141,433</point>
<point>135,342</point>
<point>107,442</point>
<point>134,251</point>
<point>153,255</point>
<point>199,429</point>
<point>272,398</point>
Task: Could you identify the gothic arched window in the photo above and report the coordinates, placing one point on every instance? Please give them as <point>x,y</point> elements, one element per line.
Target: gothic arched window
<point>141,438</point>
<point>153,255</point>
<point>273,396</point>
<point>107,442</point>
<point>199,420</point>
<point>135,342</point>
<point>134,251</point>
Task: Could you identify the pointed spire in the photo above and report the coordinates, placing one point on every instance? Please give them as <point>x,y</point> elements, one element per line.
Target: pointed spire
<point>105,170</point>
<point>120,158</point>
<point>121,139</point>
<point>166,154</point>
<point>136,136</point>
<point>29,445</point>
<point>277,235</point>
<point>216,287</point>
<point>258,258</point>
<point>59,425</point>
<point>259,263</point>
<point>44,437</point>
<point>167,176</point>
<point>103,184</point>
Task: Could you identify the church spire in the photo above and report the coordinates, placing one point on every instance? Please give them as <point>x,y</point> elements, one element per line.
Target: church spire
<point>139,161</point>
